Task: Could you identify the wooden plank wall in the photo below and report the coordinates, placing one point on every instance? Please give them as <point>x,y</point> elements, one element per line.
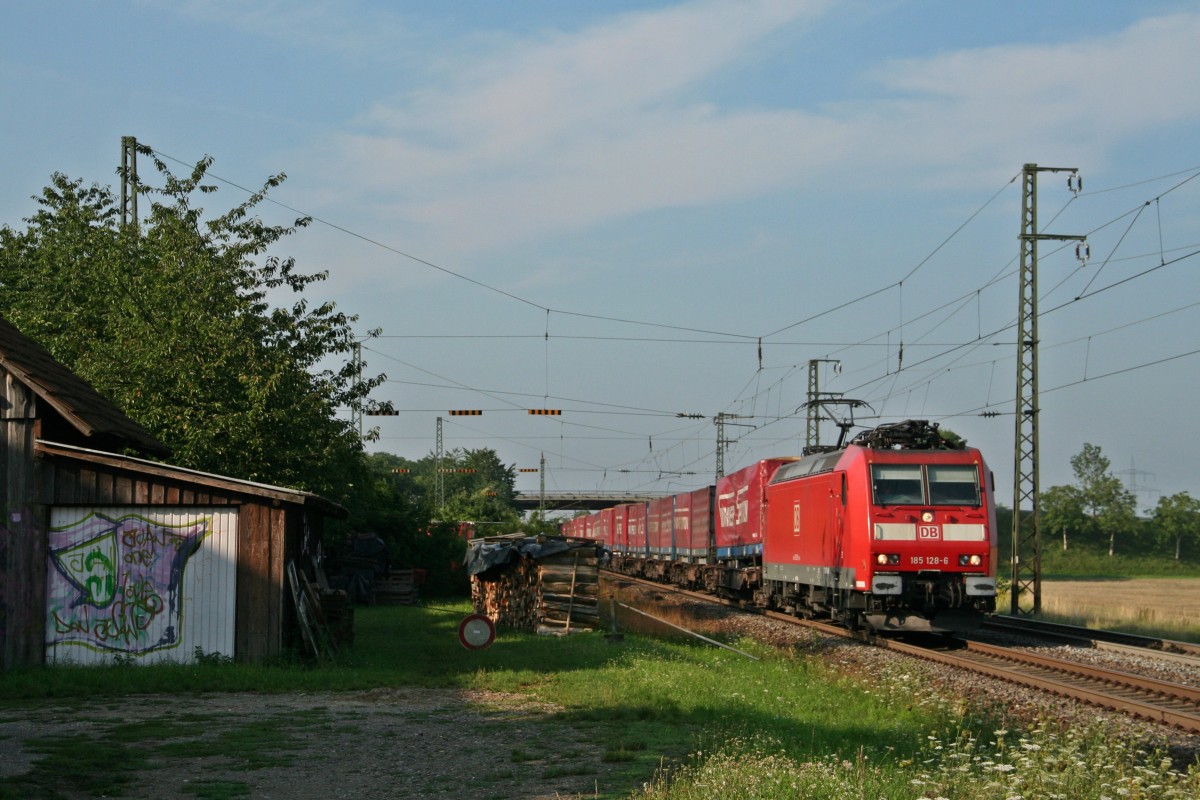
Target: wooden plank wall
<point>69,482</point>
<point>255,638</point>
<point>22,531</point>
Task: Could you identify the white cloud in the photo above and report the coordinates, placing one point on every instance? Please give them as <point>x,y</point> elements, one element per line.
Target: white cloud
<point>568,130</point>
<point>574,128</point>
<point>1018,103</point>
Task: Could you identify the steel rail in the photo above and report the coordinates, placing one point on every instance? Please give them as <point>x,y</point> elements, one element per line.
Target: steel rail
<point>1131,694</point>
<point>1165,648</point>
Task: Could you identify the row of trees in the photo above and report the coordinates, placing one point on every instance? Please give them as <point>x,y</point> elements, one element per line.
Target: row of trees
<point>193,325</point>
<point>1098,512</point>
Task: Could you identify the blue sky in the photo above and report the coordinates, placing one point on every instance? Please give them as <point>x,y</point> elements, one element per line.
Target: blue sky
<point>603,207</point>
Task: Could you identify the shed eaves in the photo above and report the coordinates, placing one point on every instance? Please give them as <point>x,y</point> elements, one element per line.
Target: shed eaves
<point>73,398</point>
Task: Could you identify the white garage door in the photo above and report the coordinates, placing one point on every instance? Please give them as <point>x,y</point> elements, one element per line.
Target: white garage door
<point>140,583</point>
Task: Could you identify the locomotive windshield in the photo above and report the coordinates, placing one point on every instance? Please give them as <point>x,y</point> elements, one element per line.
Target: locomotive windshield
<point>953,485</point>
<point>913,484</point>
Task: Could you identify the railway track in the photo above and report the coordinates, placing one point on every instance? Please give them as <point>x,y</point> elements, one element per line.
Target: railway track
<point>1173,704</point>
<point>1163,649</point>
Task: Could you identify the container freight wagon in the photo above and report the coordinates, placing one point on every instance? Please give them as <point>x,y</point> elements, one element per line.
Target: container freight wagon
<point>694,525</point>
<point>693,531</point>
<point>629,553</point>
<point>620,532</point>
<point>660,538</point>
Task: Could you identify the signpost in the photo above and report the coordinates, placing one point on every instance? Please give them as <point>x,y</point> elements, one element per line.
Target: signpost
<point>476,632</point>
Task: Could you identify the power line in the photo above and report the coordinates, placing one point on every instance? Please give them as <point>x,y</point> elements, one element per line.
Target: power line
<point>945,350</point>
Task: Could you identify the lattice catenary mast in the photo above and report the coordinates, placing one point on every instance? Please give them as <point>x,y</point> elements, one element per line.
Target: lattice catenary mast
<point>1026,592</point>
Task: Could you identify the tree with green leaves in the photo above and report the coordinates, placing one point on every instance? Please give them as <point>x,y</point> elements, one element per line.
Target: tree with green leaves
<point>1062,512</point>
<point>397,502</point>
<point>1178,519</point>
<point>476,486</point>
<point>1102,496</point>
<point>173,319</point>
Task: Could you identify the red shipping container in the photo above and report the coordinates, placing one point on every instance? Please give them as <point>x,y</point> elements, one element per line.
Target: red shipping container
<point>620,531</point>
<point>602,527</point>
<point>700,526</point>
<point>741,500</point>
<point>635,528</point>
<point>693,524</point>
<point>659,526</point>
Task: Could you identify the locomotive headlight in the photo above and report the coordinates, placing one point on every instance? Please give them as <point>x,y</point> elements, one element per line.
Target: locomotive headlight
<point>926,516</point>
<point>884,559</point>
<point>970,561</point>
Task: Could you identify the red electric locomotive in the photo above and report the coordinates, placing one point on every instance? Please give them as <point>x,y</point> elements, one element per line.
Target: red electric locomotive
<point>895,531</point>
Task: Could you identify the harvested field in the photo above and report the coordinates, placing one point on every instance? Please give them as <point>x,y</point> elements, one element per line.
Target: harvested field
<point>1169,604</point>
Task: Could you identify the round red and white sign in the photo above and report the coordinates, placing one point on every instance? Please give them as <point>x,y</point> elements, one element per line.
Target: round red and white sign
<point>476,632</point>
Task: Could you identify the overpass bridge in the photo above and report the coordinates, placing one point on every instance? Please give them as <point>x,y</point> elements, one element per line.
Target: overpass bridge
<point>580,501</point>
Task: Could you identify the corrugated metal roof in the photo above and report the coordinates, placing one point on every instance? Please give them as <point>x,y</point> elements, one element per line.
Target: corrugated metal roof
<point>85,409</point>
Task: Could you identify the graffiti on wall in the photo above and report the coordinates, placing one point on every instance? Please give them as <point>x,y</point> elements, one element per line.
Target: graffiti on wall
<point>115,584</point>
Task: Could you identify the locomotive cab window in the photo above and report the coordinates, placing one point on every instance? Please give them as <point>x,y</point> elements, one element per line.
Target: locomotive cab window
<point>953,485</point>
<point>897,484</point>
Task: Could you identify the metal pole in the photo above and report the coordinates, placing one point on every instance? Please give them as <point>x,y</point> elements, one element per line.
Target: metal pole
<point>356,413</point>
<point>720,422</point>
<point>1026,591</point>
<point>439,486</point>
<point>812,435</point>
<point>129,180</point>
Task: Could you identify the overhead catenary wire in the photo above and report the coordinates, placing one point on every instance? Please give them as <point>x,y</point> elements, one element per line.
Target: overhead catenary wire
<point>905,362</point>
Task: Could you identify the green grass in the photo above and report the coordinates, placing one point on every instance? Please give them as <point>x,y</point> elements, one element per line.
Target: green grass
<point>1088,564</point>
<point>681,717</point>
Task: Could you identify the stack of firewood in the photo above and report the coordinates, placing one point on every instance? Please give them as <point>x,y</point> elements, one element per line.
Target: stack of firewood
<point>508,595</point>
<point>553,595</point>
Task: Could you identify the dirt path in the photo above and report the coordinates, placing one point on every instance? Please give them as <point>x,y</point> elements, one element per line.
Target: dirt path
<point>404,743</point>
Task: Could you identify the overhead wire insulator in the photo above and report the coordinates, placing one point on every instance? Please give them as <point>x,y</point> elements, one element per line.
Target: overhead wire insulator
<point>1075,183</point>
<point>1083,252</point>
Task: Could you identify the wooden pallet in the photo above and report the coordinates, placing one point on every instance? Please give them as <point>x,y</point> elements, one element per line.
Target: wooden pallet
<point>398,587</point>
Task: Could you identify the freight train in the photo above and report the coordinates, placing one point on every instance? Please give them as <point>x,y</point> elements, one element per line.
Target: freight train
<point>893,531</point>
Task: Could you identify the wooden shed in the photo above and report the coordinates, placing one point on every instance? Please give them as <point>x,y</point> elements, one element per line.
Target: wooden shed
<point>106,555</point>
